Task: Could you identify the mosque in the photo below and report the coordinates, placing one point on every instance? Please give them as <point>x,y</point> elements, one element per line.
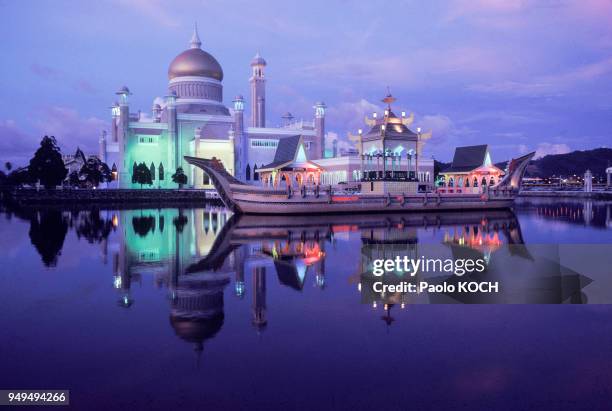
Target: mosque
<point>192,120</point>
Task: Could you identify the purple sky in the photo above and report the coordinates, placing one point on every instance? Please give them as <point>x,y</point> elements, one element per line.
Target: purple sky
<point>519,75</point>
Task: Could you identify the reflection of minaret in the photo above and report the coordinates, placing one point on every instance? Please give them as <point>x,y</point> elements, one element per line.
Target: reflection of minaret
<point>239,257</point>
<point>588,212</point>
<point>122,282</point>
<point>259,298</point>
<point>320,276</point>
<point>104,251</point>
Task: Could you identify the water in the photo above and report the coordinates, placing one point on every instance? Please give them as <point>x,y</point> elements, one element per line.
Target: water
<point>192,309</point>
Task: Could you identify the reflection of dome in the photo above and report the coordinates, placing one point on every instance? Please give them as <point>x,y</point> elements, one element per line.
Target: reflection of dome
<point>197,307</point>
<point>258,60</point>
<point>195,62</point>
<point>197,330</point>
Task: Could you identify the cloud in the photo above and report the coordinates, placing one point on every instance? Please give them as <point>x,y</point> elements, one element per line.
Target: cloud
<point>16,145</point>
<point>545,149</point>
<point>58,76</point>
<point>400,68</point>
<point>552,85</point>
<point>350,115</point>
<point>85,86</point>
<point>505,117</point>
<point>44,72</point>
<point>70,129</point>
<point>155,10</point>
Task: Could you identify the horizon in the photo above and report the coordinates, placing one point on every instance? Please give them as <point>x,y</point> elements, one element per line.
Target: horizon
<point>505,73</point>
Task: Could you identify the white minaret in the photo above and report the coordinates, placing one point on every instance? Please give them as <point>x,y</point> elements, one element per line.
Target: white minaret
<point>588,181</point>
<point>258,92</point>
<point>102,147</point>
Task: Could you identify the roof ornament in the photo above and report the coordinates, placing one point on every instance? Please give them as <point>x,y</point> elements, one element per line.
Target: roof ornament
<point>389,99</point>
<point>195,42</point>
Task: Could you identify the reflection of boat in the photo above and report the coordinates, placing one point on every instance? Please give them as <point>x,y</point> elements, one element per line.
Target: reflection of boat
<point>243,198</point>
<point>248,229</point>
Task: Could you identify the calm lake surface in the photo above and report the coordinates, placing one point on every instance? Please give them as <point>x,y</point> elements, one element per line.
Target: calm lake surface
<point>194,309</point>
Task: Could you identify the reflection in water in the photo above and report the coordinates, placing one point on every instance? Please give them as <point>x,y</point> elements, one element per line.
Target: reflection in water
<point>197,256</point>
<point>593,213</point>
<point>47,233</point>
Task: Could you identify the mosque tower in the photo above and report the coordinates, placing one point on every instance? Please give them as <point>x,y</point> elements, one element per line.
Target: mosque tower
<point>102,147</point>
<point>240,139</point>
<point>122,115</point>
<point>258,92</point>
<point>320,129</point>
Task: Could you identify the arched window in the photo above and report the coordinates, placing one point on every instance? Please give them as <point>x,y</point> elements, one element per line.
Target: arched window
<point>248,172</point>
<point>475,182</point>
<point>483,182</point>
<point>460,182</point>
<point>492,181</point>
<point>160,170</point>
<point>205,179</point>
<point>255,173</point>
<point>451,182</point>
<point>467,182</point>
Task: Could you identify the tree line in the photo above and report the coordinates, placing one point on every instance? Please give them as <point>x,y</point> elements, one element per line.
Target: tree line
<point>47,168</point>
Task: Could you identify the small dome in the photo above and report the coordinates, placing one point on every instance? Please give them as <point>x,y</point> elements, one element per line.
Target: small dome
<point>123,90</point>
<point>195,62</point>
<point>258,60</point>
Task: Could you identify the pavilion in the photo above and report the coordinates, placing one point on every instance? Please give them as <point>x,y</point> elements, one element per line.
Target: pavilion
<point>290,166</point>
<point>471,171</point>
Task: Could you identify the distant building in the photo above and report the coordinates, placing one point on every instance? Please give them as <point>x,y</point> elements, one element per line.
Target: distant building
<point>74,162</point>
<point>471,170</point>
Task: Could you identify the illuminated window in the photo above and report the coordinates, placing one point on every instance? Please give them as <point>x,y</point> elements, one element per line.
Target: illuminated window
<point>148,139</point>
<point>261,143</point>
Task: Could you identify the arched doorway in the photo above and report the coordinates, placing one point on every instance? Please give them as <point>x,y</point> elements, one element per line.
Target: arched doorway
<point>310,179</point>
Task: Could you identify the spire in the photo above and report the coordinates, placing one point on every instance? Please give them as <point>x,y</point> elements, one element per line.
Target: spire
<point>195,39</point>
<point>389,99</point>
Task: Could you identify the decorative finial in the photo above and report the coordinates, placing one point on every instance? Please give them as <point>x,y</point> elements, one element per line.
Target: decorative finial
<point>388,98</point>
<point>195,39</point>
